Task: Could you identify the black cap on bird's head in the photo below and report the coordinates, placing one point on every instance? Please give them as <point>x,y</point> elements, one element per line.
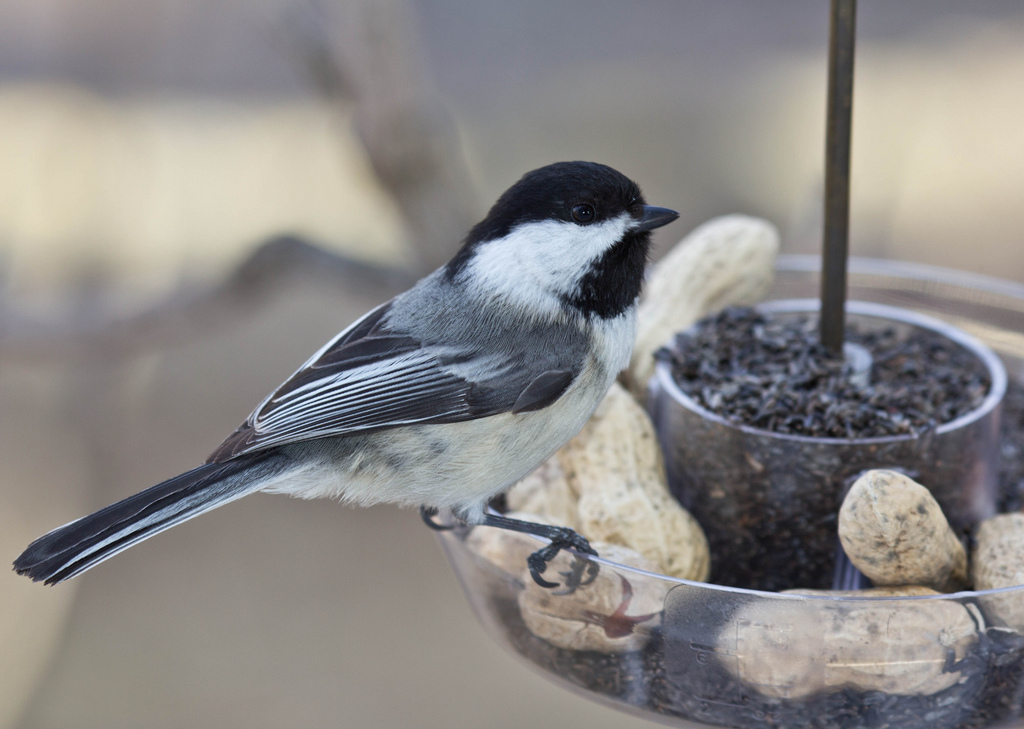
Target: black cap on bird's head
<point>562,200</point>
<point>576,192</point>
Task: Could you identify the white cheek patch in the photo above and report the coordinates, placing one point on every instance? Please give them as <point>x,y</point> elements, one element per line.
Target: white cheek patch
<point>538,263</point>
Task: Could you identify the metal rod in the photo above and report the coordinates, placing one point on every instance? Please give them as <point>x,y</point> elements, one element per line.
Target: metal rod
<point>835,246</point>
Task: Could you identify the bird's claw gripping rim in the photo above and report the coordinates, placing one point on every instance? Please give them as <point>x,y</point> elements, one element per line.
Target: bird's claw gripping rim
<point>583,571</point>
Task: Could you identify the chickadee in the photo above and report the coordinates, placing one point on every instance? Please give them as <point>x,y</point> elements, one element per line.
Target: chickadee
<point>444,396</point>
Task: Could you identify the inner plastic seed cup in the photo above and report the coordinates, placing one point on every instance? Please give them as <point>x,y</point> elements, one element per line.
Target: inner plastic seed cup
<point>734,657</point>
<point>768,501</point>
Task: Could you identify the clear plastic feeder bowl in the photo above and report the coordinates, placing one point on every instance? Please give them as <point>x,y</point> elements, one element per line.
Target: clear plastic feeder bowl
<point>725,656</point>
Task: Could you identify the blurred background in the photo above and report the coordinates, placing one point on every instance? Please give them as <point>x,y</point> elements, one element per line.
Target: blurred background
<point>196,194</point>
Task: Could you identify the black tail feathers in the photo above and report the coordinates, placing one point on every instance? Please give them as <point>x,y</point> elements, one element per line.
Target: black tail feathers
<point>73,548</point>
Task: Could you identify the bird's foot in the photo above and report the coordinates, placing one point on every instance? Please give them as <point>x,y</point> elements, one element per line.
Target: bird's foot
<point>583,570</point>
<point>427,514</point>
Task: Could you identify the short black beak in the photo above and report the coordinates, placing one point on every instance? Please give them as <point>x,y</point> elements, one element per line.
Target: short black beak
<point>655,218</point>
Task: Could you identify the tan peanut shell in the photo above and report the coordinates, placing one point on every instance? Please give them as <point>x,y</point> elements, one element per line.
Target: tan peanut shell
<point>546,492</point>
<point>615,467</point>
<point>792,649</point>
<point>613,614</point>
<point>998,561</point>
<point>894,531</point>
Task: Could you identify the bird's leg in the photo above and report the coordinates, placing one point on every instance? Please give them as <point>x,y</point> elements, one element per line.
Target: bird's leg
<point>583,572</point>
<point>561,538</point>
<point>427,514</point>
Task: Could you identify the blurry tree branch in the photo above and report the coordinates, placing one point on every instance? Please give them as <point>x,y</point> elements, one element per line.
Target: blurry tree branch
<point>365,55</point>
<point>85,328</point>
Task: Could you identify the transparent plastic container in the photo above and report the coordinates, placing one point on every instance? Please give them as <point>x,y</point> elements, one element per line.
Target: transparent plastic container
<point>768,501</point>
<point>724,656</point>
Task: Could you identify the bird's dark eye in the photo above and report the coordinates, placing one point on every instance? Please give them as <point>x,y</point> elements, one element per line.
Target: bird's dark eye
<point>583,213</point>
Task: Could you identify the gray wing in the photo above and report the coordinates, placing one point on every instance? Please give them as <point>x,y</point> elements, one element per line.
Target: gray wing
<point>369,378</point>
